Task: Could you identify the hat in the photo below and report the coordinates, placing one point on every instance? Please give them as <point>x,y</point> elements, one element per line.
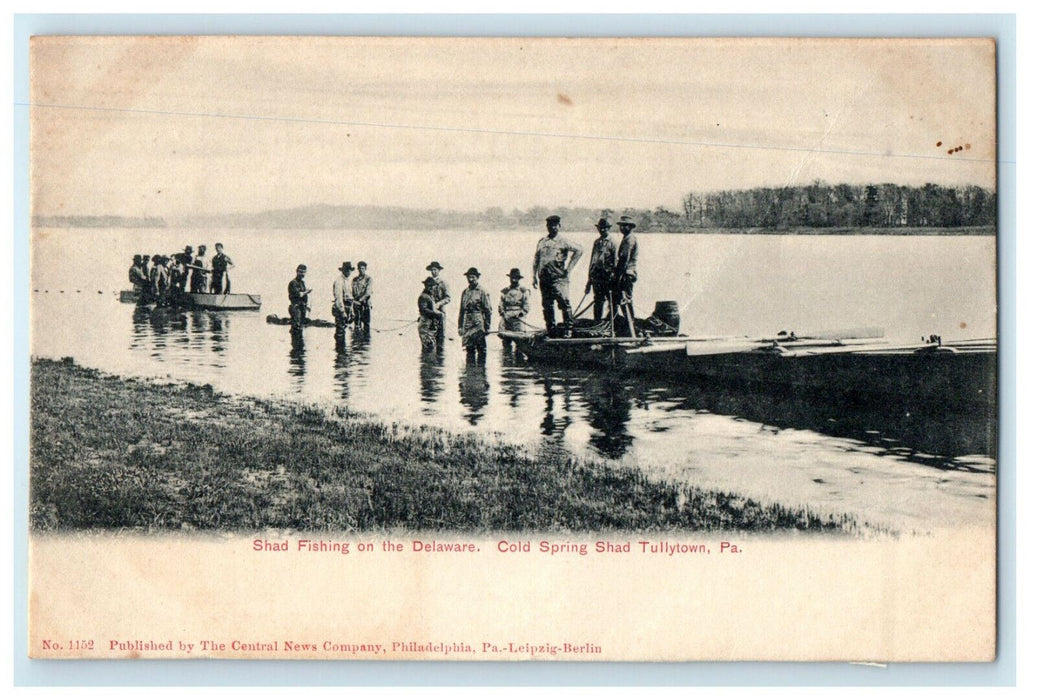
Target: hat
<point>603,223</point>
<point>361,264</point>
<point>346,266</point>
<point>301,268</point>
<point>429,281</point>
<point>472,271</point>
<point>433,265</point>
<point>188,249</point>
<point>627,221</point>
<point>553,219</point>
<point>515,273</point>
<point>136,258</point>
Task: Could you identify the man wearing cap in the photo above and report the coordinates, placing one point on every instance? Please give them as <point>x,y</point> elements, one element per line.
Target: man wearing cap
<point>551,273</point>
<point>513,306</point>
<point>298,299</point>
<point>342,300</point>
<point>441,297</point>
<point>602,268</point>
<point>473,321</point>
<point>362,297</point>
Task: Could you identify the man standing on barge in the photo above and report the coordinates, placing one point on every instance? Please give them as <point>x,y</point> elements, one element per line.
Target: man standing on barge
<point>602,268</point>
<point>555,258</point>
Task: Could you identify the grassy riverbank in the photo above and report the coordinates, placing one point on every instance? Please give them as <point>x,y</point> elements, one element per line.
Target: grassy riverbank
<point>108,452</point>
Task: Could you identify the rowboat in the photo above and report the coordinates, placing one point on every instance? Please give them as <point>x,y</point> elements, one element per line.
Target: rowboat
<point>219,302</point>
<point>225,302</point>
<point>856,365</point>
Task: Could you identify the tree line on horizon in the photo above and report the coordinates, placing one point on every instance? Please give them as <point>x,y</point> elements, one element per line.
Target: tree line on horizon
<point>814,206</point>
<point>817,206</point>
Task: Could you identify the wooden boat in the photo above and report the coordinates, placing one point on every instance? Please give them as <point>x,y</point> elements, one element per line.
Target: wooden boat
<point>219,302</point>
<point>225,302</point>
<point>855,365</point>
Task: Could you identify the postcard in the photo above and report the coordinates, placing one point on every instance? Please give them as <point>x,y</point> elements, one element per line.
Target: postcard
<point>483,349</point>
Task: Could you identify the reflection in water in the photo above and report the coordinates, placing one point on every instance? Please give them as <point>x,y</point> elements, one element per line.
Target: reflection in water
<point>430,375</point>
<point>343,360</point>
<point>475,390</point>
<point>351,359</point>
<point>220,326</point>
<point>608,403</point>
<point>194,337</point>
<point>553,427</point>
<point>904,431</point>
<point>297,358</point>
<point>513,377</point>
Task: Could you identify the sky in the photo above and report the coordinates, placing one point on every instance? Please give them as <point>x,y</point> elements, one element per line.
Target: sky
<point>173,126</point>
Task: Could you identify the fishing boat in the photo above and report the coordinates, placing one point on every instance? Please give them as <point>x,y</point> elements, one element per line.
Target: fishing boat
<point>855,365</point>
<point>218,302</point>
<point>223,302</point>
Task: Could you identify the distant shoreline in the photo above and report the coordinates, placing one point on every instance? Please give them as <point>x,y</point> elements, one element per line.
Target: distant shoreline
<point>112,453</point>
<point>50,223</point>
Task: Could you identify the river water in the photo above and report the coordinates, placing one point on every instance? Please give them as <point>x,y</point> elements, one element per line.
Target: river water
<point>908,474</point>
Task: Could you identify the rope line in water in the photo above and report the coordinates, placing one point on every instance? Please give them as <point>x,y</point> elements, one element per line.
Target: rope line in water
<point>398,328</point>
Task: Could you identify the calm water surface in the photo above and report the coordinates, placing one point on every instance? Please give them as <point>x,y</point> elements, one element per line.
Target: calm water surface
<point>908,474</point>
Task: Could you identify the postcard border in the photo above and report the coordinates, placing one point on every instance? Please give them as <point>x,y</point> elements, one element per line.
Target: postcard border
<point>223,673</point>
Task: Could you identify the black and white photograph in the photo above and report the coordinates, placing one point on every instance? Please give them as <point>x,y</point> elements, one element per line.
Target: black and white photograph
<point>484,349</point>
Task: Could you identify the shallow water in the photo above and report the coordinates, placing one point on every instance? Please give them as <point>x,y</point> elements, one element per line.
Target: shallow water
<point>798,453</point>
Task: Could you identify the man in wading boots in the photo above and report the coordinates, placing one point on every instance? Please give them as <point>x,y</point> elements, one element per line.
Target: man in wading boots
<point>602,269</point>
<point>298,299</point>
<point>551,274</point>
<point>626,271</point>
<point>430,319</point>
<point>473,322</point>
<point>362,297</point>
<point>441,297</point>
<point>342,301</point>
<point>513,306</point>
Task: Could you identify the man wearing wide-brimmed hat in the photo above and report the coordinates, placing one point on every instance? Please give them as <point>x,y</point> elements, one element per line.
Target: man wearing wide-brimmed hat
<point>441,296</point>
<point>555,258</point>
<point>626,262</point>
<point>626,271</point>
<point>513,306</point>
<point>473,321</point>
<point>430,319</point>
<point>602,268</point>
<point>342,300</point>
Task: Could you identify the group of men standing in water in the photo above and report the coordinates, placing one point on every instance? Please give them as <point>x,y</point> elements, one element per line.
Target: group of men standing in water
<point>171,276</point>
<point>350,304</point>
<point>611,278</point>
